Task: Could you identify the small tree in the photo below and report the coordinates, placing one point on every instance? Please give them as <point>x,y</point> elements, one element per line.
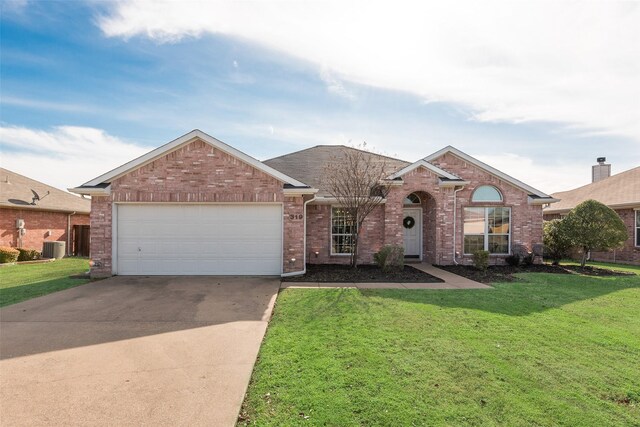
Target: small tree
<point>557,240</point>
<point>594,226</point>
<point>354,177</point>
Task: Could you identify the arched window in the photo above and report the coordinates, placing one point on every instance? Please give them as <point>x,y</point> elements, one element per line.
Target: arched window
<point>412,199</point>
<point>486,193</point>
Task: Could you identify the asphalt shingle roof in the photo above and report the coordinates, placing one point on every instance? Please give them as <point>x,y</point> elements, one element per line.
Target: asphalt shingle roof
<point>619,190</point>
<point>15,192</point>
<point>309,165</point>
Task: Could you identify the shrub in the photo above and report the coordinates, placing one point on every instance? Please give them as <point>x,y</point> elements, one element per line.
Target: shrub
<point>481,260</point>
<point>8,254</point>
<point>557,240</point>
<point>390,257</point>
<point>513,260</point>
<point>595,226</point>
<point>527,260</point>
<point>28,254</point>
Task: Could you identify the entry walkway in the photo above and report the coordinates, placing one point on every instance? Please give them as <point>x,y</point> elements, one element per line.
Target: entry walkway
<point>451,281</point>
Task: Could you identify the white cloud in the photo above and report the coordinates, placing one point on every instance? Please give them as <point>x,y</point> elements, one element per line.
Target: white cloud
<point>549,178</point>
<point>66,156</point>
<point>334,85</point>
<point>574,63</point>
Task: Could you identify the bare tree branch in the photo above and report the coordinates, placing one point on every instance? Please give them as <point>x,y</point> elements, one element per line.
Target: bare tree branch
<point>355,178</point>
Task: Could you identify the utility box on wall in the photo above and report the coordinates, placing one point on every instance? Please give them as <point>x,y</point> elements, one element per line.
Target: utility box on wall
<point>19,223</point>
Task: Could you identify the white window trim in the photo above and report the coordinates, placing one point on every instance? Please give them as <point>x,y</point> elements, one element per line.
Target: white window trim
<point>486,233</point>
<point>487,201</point>
<point>331,234</point>
<point>637,227</point>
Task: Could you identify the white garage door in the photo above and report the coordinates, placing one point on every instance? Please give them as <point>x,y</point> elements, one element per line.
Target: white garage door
<point>237,239</point>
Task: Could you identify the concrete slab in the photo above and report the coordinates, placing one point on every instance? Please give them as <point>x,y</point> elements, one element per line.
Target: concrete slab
<point>385,285</point>
<point>337,285</point>
<point>298,285</point>
<point>134,351</point>
<point>428,286</point>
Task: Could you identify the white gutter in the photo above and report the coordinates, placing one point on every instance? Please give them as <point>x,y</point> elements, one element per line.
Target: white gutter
<point>69,233</point>
<point>455,210</point>
<point>304,243</point>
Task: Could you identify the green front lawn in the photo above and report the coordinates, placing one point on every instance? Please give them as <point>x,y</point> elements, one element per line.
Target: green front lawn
<point>21,282</point>
<point>550,350</point>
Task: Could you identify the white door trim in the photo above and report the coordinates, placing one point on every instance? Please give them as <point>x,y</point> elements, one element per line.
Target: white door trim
<point>418,215</point>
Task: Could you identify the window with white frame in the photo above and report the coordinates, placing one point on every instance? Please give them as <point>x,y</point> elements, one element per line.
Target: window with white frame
<point>487,228</point>
<point>638,228</point>
<point>486,193</point>
<point>342,229</point>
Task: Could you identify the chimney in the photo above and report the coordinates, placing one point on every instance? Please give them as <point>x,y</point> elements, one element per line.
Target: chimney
<point>601,170</point>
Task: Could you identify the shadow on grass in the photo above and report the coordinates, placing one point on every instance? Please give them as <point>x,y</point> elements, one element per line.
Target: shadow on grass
<point>534,292</point>
<point>19,293</point>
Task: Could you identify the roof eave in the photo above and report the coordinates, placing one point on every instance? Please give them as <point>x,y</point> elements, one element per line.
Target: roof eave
<point>299,191</point>
<point>453,183</point>
<point>541,200</point>
<point>91,190</point>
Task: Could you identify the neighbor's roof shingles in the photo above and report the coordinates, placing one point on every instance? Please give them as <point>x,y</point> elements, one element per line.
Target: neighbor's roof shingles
<point>309,165</point>
<point>15,192</point>
<point>620,190</point>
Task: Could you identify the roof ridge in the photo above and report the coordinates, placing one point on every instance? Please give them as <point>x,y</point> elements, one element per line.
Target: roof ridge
<point>598,183</point>
<point>341,146</point>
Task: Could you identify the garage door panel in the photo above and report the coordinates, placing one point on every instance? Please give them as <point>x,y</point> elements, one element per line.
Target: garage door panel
<point>199,239</point>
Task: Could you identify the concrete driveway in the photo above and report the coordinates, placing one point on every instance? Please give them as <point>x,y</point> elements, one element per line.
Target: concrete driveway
<point>134,351</point>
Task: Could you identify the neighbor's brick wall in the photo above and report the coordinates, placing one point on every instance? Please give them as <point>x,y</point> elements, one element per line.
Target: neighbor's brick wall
<point>629,252</point>
<point>37,224</point>
<point>196,172</point>
<point>526,219</point>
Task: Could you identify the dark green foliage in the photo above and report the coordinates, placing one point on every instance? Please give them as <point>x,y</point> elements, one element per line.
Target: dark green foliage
<point>28,254</point>
<point>390,257</point>
<point>513,260</point>
<point>557,240</point>
<point>594,226</point>
<point>481,260</point>
<point>8,254</point>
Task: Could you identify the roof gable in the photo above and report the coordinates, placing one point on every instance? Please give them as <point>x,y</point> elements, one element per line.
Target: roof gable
<point>15,192</point>
<point>423,163</point>
<point>538,195</point>
<point>184,140</point>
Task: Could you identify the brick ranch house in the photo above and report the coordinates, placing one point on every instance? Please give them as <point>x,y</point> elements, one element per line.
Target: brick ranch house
<point>199,206</point>
<point>621,192</point>
<point>57,216</point>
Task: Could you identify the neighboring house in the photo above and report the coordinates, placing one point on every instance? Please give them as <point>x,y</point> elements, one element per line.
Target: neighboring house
<point>32,213</point>
<point>199,206</point>
<point>621,192</point>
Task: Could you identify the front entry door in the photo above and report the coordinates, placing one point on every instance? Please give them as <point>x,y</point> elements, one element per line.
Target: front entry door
<point>412,223</point>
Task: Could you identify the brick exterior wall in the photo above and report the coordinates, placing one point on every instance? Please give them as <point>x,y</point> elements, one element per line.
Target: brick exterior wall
<point>385,225</point>
<point>629,253</point>
<point>195,173</point>
<point>38,224</point>
<point>319,236</point>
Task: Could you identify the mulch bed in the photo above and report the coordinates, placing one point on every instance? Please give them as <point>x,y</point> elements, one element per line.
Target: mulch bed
<point>336,273</point>
<point>505,273</point>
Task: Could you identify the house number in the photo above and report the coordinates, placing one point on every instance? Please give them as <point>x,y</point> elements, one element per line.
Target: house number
<point>295,216</point>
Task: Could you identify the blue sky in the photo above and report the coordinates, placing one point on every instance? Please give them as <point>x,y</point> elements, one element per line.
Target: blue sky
<point>86,86</point>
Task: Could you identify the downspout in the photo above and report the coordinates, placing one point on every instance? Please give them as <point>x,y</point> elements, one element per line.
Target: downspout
<point>455,211</point>
<point>69,233</point>
<point>304,242</point>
